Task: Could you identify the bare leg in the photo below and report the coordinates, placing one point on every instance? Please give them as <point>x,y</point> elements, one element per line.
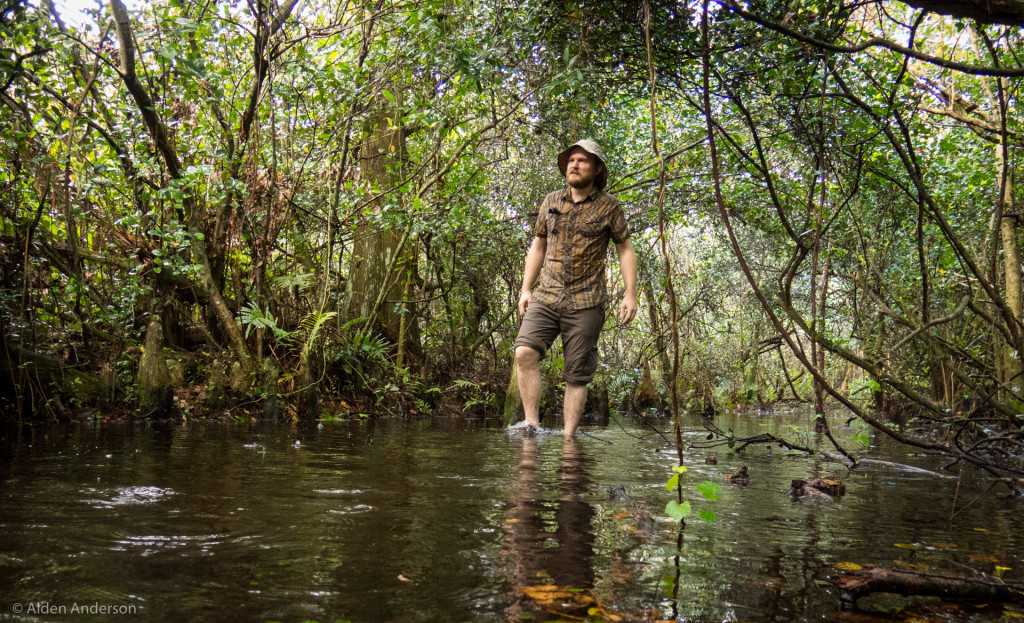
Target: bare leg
<point>572,407</point>
<point>527,360</point>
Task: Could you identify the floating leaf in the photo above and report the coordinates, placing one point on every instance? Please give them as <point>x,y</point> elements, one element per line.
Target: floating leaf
<point>906,546</point>
<point>1013,615</point>
<point>547,594</point>
<point>983,558</point>
<point>847,566</point>
<point>621,515</point>
<point>1001,570</point>
<point>980,530</point>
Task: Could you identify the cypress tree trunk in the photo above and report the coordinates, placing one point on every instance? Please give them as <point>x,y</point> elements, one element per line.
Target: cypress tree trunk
<point>308,392</point>
<point>383,257</point>
<point>156,395</point>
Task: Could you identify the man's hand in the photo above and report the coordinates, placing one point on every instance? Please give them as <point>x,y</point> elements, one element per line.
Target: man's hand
<point>627,261</point>
<point>627,310</point>
<point>524,301</point>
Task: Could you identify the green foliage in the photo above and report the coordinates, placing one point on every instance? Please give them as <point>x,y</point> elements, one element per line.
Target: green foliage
<point>473,395</point>
<point>310,328</point>
<point>360,350</point>
<point>708,489</point>
<point>680,509</point>
<point>673,481</point>
<point>848,172</point>
<point>253,318</point>
<point>864,438</point>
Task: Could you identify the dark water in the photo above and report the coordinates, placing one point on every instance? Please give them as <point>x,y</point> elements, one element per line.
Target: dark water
<point>455,520</point>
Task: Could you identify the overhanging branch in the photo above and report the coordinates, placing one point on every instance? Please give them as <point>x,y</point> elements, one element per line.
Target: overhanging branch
<point>874,42</point>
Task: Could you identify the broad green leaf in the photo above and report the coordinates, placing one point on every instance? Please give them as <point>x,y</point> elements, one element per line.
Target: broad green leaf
<point>677,511</point>
<point>708,489</point>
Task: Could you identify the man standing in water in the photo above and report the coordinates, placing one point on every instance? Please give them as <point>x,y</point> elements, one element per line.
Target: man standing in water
<point>568,253</point>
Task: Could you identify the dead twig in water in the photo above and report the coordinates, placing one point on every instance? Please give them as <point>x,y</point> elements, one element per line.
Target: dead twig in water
<point>899,466</point>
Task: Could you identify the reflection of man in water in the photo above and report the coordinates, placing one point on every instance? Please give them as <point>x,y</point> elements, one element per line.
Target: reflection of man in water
<point>549,539</point>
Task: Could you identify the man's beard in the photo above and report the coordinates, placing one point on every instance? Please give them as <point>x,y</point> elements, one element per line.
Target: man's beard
<point>581,182</point>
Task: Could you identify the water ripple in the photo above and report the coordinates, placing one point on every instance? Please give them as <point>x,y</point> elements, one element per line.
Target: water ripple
<point>127,496</point>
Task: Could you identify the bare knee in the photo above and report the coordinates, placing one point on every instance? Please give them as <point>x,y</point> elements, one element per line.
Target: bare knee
<point>527,357</point>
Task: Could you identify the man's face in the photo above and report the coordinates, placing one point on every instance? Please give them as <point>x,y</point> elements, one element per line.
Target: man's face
<point>582,169</point>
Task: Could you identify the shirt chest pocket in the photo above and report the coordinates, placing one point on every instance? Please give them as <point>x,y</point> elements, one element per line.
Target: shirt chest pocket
<point>554,222</point>
<point>592,226</point>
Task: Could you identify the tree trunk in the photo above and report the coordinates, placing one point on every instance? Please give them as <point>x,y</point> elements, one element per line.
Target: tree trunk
<point>307,390</point>
<point>878,396</point>
<point>751,365</point>
<point>383,260</point>
<point>654,314</point>
<point>269,376</point>
<point>156,395</point>
<point>1012,367</point>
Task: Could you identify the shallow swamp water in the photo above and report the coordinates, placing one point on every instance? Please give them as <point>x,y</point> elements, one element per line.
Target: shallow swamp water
<point>457,520</point>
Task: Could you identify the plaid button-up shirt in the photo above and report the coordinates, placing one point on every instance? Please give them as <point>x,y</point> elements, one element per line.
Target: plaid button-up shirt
<point>573,274</point>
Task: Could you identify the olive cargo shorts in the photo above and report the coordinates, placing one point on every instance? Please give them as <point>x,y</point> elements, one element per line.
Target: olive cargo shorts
<point>579,329</point>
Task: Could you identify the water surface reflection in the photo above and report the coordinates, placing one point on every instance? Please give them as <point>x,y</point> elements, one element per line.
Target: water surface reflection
<point>454,520</point>
<point>549,537</point>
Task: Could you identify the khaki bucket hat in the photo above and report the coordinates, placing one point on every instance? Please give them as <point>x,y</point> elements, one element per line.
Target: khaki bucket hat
<point>592,148</point>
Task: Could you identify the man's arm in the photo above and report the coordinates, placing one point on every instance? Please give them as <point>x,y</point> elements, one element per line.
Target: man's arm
<point>534,262</point>
<point>627,264</point>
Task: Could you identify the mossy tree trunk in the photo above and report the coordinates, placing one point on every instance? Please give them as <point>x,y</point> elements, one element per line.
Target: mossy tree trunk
<point>1013,369</point>
<point>153,384</point>
<point>383,260</point>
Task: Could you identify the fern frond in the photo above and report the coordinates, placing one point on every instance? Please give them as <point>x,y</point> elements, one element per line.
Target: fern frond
<point>312,323</point>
